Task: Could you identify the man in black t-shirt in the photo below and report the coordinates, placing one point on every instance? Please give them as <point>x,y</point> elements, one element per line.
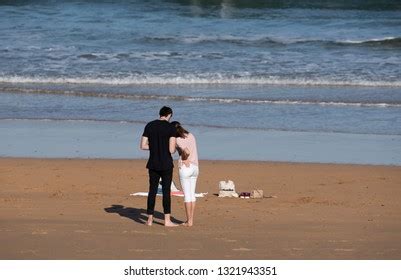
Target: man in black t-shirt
<point>159,137</point>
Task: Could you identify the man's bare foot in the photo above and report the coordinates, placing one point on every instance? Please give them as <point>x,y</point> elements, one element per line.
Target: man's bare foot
<point>170,224</point>
<point>149,221</point>
<point>187,224</point>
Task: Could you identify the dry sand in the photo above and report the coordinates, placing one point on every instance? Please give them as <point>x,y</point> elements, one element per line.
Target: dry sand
<point>81,209</point>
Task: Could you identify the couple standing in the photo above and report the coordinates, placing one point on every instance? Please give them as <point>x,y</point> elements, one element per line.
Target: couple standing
<point>163,139</point>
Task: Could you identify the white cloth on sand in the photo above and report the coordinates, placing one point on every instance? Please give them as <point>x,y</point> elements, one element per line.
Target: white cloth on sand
<point>174,192</point>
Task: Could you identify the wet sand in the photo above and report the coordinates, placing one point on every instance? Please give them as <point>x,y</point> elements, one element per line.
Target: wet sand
<point>81,209</point>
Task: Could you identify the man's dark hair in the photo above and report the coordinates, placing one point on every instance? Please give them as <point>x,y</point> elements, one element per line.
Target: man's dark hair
<point>165,111</point>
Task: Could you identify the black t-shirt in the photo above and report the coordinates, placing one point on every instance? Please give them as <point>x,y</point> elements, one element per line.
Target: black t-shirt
<point>158,133</point>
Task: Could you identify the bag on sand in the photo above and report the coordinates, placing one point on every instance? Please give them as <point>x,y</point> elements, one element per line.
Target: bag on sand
<point>227,189</point>
<point>226,186</point>
<point>257,194</point>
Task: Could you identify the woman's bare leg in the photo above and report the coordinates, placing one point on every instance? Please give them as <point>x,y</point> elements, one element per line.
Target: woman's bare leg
<point>191,220</point>
<point>188,206</point>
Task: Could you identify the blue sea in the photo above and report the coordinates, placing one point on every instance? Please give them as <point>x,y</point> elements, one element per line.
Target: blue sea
<point>287,66</point>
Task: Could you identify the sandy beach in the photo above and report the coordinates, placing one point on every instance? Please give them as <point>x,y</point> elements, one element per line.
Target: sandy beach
<point>82,209</point>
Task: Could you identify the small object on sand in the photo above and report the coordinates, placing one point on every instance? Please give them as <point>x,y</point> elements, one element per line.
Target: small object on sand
<point>245,195</point>
<point>228,194</point>
<point>227,189</point>
<point>226,185</point>
<point>257,194</point>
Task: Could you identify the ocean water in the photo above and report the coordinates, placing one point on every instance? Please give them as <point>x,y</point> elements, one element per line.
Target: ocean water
<point>302,66</point>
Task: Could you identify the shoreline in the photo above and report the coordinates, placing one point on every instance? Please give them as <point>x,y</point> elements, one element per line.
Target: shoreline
<point>233,161</point>
<point>319,211</point>
<point>68,139</point>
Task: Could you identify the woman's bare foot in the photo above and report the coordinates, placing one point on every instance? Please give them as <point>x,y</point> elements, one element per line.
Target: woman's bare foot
<point>187,224</point>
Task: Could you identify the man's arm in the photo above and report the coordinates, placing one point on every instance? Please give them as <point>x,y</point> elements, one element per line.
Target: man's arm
<point>172,145</point>
<point>144,143</point>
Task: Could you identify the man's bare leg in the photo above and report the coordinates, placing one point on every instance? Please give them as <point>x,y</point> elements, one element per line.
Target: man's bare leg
<point>150,220</point>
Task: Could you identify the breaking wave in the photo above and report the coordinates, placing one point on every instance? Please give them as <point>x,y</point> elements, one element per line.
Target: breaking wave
<point>220,100</point>
<point>203,79</point>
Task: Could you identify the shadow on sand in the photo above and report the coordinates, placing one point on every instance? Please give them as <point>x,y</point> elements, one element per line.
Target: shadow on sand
<point>138,214</point>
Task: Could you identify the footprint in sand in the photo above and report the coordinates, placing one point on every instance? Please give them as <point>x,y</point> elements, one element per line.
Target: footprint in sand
<point>29,252</point>
<point>188,249</point>
<point>305,200</point>
<point>81,231</point>
<point>242,249</point>
<point>143,250</point>
<point>343,250</point>
<point>39,232</point>
<point>86,251</point>
<point>226,239</point>
<point>147,232</point>
<point>297,249</point>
